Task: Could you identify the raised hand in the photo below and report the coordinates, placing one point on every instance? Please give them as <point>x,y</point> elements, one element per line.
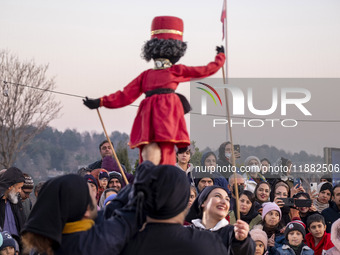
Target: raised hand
<point>241,229</point>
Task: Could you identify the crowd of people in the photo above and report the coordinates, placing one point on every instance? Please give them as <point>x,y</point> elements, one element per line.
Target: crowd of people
<point>168,209</point>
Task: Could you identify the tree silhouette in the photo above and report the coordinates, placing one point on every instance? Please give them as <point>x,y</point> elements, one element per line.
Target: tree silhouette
<point>24,112</point>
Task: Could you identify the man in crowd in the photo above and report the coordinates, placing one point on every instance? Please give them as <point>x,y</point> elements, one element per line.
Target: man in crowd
<point>25,192</point>
<point>105,150</point>
<point>107,161</point>
<point>241,186</point>
<point>12,216</point>
<point>201,183</point>
<point>332,213</point>
<point>115,181</point>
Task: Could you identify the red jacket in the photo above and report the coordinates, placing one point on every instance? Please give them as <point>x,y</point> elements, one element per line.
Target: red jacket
<point>324,244</point>
<point>160,118</point>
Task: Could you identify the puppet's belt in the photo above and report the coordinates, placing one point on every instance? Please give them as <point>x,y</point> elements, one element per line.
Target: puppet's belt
<point>184,101</point>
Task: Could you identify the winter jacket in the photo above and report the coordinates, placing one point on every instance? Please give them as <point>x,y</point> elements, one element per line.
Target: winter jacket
<point>331,214</point>
<point>287,250</point>
<point>324,244</point>
<point>171,239</point>
<point>18,212</point>
<point>226,232</point>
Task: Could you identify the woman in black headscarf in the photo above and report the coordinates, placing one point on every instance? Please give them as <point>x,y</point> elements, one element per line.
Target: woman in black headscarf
<point>211,207</point>
<point>248,211</point>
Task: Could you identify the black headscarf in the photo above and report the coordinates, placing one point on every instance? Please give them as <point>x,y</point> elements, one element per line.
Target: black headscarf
<point>221,151</point>
<point>10,177</point>
<point>162,191</point>
<point>252,212</point>
<point>62,199</point>
<point>195,210</point>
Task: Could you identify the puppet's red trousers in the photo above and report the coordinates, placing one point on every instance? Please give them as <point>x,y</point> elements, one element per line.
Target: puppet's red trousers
<point>168,153</point>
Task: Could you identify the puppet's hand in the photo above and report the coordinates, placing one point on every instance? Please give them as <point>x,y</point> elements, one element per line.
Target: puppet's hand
<point>220,49</point>
<point>92,103</point>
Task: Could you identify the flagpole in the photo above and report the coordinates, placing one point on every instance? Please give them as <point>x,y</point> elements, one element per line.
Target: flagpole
<point>225,81</point>
<point>226,41</point>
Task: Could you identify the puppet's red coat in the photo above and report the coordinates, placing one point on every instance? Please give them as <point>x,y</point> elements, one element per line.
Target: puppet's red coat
<point>160,118</point>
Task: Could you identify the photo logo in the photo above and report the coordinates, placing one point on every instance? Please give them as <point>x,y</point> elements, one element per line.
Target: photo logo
<point>204,97</point>
<point>281,99</point>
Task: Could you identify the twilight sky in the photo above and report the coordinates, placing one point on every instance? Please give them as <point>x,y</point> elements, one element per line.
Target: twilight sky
<point>93,49</point>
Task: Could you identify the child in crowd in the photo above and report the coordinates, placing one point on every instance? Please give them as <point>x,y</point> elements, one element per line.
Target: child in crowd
<point>261,241</point>
<point>317,238</point>
<point>106,193</point>
<point>8,245</point>
<point>271,225</point>
<point>294,234</point>
<point>103,179</point>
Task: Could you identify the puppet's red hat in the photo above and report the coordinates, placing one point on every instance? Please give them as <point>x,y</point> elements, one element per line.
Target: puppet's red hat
<point>167,27</point>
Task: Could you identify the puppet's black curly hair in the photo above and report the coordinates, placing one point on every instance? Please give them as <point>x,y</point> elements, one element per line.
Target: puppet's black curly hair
<point>161,48</point>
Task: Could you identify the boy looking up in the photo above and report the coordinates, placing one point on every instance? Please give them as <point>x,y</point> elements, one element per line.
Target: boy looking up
<point>317,238</point>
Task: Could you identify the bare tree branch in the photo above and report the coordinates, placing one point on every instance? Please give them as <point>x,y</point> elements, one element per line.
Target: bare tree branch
<point>25,111</point>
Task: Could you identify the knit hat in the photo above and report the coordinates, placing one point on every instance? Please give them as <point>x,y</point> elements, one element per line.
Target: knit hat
<point>259,235</point>
<point>295,225</point>
<point>28,184</point>
<point>90,179</point>
<point>246,162</point>
<point>325,186</point>
<point>196,208</point>
<point>103,174</point>
<point>270,206</point>
<point>8,240</point>
<point>117,176</point>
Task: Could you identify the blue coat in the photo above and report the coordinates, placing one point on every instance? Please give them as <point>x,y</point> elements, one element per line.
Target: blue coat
<point>287,250</point>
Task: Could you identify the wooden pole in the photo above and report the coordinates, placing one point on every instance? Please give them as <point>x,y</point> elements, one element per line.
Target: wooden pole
<point>225,77</point>
<point>113,150</point>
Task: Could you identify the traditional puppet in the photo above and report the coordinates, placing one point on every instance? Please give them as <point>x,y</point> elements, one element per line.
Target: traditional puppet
<point>160,116</point>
